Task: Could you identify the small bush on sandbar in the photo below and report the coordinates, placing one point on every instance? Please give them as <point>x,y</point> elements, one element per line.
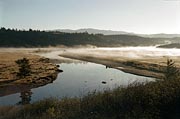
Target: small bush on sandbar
<point>24,67</point>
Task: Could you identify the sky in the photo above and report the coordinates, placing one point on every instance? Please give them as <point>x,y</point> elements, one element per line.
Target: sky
<point>138,16</point>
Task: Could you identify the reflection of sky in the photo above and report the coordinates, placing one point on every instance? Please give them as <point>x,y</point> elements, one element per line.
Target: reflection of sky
<point>10,99</point>
<point>77,80</point>
<point>142,16</point>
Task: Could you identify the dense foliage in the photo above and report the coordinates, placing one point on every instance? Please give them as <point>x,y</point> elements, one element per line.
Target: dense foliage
<point>37,38</point>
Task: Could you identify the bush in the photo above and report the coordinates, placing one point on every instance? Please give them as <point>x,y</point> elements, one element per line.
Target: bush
<point>24,67</point>
<point>171,71</point>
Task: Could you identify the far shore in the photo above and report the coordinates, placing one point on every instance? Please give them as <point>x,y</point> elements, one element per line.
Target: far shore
<point>120,65</point>
<point>138,63</point>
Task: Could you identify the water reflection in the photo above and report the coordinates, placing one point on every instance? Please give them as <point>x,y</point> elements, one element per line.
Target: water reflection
<point>77,80</point>
<point>25,97</point>
<point>14,88</point>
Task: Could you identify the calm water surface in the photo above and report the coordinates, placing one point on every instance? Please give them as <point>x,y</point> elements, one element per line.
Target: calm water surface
<point>76,80</point>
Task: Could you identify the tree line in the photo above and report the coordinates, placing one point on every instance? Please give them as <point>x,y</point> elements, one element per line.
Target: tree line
<point>37,38</point>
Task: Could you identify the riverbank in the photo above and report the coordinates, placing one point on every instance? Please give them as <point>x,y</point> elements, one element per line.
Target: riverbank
<point>149,63</point>
<point>42,72</point>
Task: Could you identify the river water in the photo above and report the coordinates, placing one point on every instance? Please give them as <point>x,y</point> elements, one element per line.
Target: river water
<point>76,80</point>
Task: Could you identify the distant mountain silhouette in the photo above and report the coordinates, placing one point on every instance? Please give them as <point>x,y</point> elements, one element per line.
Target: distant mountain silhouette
<point>111,32</point>
<point>94,31</point>
<point>161,35</point>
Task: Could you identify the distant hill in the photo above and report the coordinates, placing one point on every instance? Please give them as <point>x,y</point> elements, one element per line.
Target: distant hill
<point>93,31</point>
<point>162,35</point>
<point>173,45</point>
<point>111,32</point>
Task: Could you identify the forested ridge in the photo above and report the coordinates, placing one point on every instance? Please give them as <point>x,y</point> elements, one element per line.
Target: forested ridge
<point>37,38</point>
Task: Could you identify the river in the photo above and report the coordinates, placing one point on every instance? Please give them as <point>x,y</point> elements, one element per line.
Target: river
<point>76,80</point>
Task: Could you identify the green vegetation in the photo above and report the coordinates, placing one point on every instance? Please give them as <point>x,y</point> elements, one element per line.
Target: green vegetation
<point>36,38</point>
<point>24,67</point>
<point>154,100</point>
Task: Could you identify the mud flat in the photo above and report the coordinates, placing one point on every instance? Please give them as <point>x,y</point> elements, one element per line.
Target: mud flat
<point>43,72</point>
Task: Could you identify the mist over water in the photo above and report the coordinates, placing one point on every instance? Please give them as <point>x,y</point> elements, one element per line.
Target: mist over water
<point>145,51</point>
<point>124,52</point>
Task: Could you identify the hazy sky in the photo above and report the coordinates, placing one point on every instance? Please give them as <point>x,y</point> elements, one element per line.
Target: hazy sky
<point>139,16</point>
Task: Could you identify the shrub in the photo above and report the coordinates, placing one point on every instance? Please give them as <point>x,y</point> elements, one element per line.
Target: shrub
<point>171,71</point>
<point>24,67</point>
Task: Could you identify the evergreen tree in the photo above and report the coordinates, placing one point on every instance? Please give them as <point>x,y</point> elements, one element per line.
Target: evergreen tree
<point>24,67</point>
<point>171,72</point>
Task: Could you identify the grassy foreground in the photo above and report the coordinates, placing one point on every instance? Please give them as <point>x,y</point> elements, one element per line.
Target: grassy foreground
<point>153,100</point>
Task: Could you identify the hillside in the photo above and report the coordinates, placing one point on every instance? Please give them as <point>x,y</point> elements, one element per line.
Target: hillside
<point>36,38</point>
<point>111,32</point>
<point>162,35</point>
<point>93,31</point>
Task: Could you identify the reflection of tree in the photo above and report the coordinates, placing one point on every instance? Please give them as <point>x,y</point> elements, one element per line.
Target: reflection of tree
<point>25,97</point>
